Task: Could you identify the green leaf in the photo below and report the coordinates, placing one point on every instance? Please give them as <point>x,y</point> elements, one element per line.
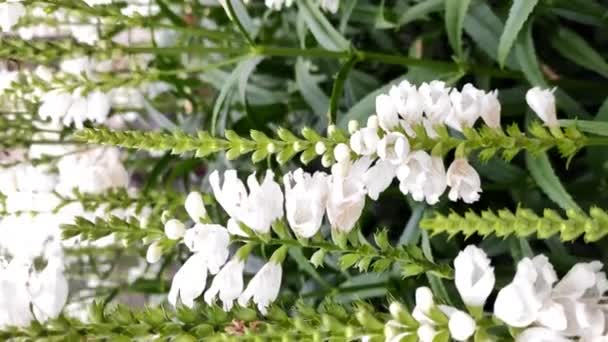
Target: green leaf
<point>541,170</point>
<point>525,53</point>
<point>518,14</point>
<point>420,11</point>
<point>574,47</point>
<point>593,127</point>
<point>337,89</point>
<point>310,91</point>
<point>304,265</point>
<point>241,18</point>
<point>455,11</point>
<point>323,31</point>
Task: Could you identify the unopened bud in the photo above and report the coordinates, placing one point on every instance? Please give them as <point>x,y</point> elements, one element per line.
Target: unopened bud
<point>342,153</point>
<point>195,207</point>
<point>353,126</point>
<point>372,121</point>
<point>320,148</point>
<point>271,148</point>
<point>154,252</point>
<point>331,129</point>
<point>174,229</point>
<point>326,160</point>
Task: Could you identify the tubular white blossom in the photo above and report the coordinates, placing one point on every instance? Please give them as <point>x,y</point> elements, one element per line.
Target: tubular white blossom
<point>189,282</point>
<point>174,229</point>
<point>195,207</point>
<point>473,276</point>
<point>464,181</point>
<point>490,109</point>
<point>154,252</point>
<point>228,283</point>
<point>388,117</point>
<point>461,325</point>
<point>408,102</point>
<point>364,142</point>
<point>210,242</point>
<point>423,176</point>
<point>263,287</point>
<point>51,294</point>
<point>394,148</point>
<point>542,102</point>
<point>378,178</point>
<point>466,107</point>
<point>305,201</point>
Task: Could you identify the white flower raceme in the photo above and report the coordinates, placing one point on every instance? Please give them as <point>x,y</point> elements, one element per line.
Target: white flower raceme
<point>519,303</point>
<point>473,276</point>
<point>464,181</point>
<point>542,102</point>
<point>228,283</point>
<point>189,282</point>
<point>258,208</point>
<point>10,13</point>
<point>211,242</point>
<point>466,107</point>
<point>408,102</point>
<point>346,197</point>
<point>423,176</point>
<point>305,201</point>
<point>263,287</point>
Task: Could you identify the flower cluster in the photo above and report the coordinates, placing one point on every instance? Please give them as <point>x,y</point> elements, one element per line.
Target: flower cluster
<point>535,303</point>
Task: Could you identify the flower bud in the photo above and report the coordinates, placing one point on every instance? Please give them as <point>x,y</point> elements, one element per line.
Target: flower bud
<point>326,160</point>
<point>174,229</point>
<point>271,148</point>
<point>331,129</point>
<point>154,252</point>
<point>372,121</point>
<point>195,207</point>
<point>353,126</point>
<point>342,153</point>
<point>320,148</point>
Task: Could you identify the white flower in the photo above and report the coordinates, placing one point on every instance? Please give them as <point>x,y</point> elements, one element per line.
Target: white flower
<point>461,325</point>
<point>86,34</point>
<point>408,101</point>
<point>347,196</point>
<point>342,153</point>
<point>378,178</point>
<point>426,333</point>
<point>174,229</point>
<point>195,207</point>
<point>424,304</point>
<point>542,102</point>
<point>277,5</point>
<point>263,287</point>
<point>211,242</point>
<point>466,107</point>
<point>541,334</point>
<point>364,142</point>
<point>474,277</point>
<point>490,109</point>
<point>234,228</point>
<point>98,106</point>
<point>464,181</point>
<point>232,195</point>
<point>77,113</point>
<point>305,201</point>
<point>15,299</point>
<point>330,5</point>
<point>423,176</point>
<point>10,13</point>
<point>49,290</point>
<point>189,282</point>
<point>519,303</point>
<point>228,283</point>
<point>394,148</point>
<point>154,252</point>
<point>54,105</point>
<point>388,117</point>
<point>436,101</point>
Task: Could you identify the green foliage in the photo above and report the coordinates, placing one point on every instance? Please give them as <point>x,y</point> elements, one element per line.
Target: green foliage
<point>518,14</point>
<point>522,223</point>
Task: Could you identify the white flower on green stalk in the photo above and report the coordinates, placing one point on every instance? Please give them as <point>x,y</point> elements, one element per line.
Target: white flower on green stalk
<point>364,142</point>
<point>422,176</point>
<point>189,282</point>
<point>435,100</point>
<point>519,303</point>
<point>542,334</point>
<point>466,107</point>
<point>464,181</point>
<point>460,324</point>
<point>426,333</point>
<point>174,229</point>
<point>10,13</point>
<point>154,252</point>
<point>378,178</point>
<point>542,102</point>
<point>386,110</point>
<point>330,5</point>
<point>394,148</point>
<point>473,276</point>
<point>227,284</point>
<point>347,196</point>
<point>48,290</point>
<point>264,287</point>
<point>195,207</point>
<point>54,105</point>
<point>211,242</point>
<point>408,102</point>
<point>490,109</point>
<point>424,304</point>
<point>305,201</point>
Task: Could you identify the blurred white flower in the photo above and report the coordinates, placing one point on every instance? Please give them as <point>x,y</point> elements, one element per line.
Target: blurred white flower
<point>541,334</point>
<point>460,324</point>
<point>49,290</point>
<point>388,117</point>
<point>305,201</point>
<point>364,142</point>
<point>473,276</point>
<point>422,176</point>
<point>228,283</point>
<point>426,333</point>
<point>393,148</point>
<point>189,282</point>
<point>466,107</point>
<point>330,5</point>
<point>408,101</point>
<point>54,105</point>
<point>347,196</point>
<point>154,252</point>
<point>542,102</point>
<point>210,242</point>
<point>464,181</point>
<point>174,229</point>
<point>263,287</point>
<point>10,13</point>
<point>195,207</point>
<point>490,109</point>
<point>277,5</point>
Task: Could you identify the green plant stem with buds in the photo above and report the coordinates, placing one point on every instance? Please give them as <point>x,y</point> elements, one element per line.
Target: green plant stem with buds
<point>522,223</point>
